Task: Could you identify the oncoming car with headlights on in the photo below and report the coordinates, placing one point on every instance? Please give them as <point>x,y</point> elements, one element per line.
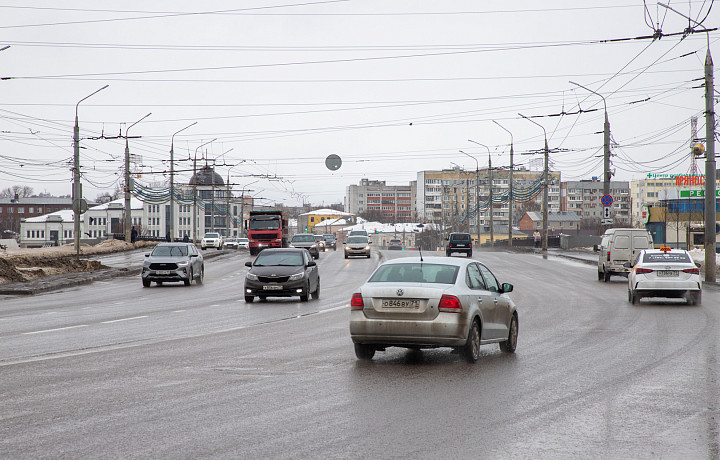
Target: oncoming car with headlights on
<point>173,262</point>
<point>432,302</point>
<point>664,272</point>
<point>357,245</point>
<point>282,272</point>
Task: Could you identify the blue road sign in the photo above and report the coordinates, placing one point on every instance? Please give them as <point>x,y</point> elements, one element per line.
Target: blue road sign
<point>606,200</point>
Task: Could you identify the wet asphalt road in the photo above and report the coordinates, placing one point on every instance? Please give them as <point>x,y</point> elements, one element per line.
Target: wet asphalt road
<point>115,370</point>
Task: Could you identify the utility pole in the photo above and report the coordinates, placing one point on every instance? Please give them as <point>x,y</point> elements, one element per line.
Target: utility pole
<point>545,187</point>
<point>77,186</point>
<point>195,179</point>
<point>510,191</point>
<point>490,194</point>
<point>171,217</point>
<point>477,193</point>
<point>128,186</point>
<point>710,199</point>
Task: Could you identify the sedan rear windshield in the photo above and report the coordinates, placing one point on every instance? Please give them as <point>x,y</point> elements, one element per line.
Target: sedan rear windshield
<point>666,257</point>
<point>461,237</point>
<point>415,273</point>
<point>169,251</point>
<point>279,258</point>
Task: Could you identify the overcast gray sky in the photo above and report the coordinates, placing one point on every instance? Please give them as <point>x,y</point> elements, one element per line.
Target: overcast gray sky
<point>392,87</point>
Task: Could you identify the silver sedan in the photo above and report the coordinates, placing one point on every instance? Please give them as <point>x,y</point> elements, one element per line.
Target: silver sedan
<point>432,302</point>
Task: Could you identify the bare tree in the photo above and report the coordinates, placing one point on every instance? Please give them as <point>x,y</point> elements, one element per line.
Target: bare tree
<point>16,190</point>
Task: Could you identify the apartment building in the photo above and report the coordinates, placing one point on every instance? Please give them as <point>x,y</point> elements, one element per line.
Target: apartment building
<point>381,202</point>
<point>583,198</point>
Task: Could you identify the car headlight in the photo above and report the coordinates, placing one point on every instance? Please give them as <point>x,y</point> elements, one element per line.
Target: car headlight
<point>296,276</point>
<point>367,248</point>
<point>314,246</point>
<point>183,263</point>
<point>251,277</point>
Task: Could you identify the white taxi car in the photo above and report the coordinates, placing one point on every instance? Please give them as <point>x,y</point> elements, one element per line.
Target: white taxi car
<point>664,272</point>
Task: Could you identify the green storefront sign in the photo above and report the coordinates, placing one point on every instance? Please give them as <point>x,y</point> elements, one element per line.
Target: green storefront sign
<point>696,193</point>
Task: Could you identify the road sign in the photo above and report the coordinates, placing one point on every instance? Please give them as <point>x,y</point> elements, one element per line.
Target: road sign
<point>606,222</point>
<point>606,212</point>
<point>606,200</point>
<point>80,206</point>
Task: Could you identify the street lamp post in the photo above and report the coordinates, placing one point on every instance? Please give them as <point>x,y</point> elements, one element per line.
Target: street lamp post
<point>194,225</point>
<point>477,190</point>
<point>490,195</point>
<point>510,192</point>
<point>606,143</point>
<point>77,186</point>
<point>171,217</point>
<point>545,187</point>
<point>128,187</point>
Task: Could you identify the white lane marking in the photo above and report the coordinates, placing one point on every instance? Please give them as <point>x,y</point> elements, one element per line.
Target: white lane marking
<point>51,313</point>
<point>123,319</point>
<point>53,330</point>
<point>178,311</point>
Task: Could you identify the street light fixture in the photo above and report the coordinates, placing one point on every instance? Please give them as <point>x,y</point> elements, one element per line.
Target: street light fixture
<point>128,187</point>
<point>171,217</point>
<point>77,186</point>
<point>490,199</point>
<point>510,185</point>
<point>545,187</point>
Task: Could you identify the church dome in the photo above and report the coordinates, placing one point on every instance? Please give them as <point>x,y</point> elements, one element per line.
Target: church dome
<point>207,176</point>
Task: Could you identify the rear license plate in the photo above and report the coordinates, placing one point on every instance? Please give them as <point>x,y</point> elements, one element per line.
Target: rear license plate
<point>405,303</point>
<point>667,273</point>
<point>162,272</point>
<point>272,287</point>
<point>460,245</point>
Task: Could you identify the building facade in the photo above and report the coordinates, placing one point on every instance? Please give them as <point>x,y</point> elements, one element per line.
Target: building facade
<point>376,200</point>
<point>14,210</point>
<point>583,197</point>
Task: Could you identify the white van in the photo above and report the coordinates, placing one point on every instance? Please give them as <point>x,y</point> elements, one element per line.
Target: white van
<point>618,246</point>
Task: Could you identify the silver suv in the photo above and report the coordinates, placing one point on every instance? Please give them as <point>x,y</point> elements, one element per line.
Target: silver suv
<point>307,241</point>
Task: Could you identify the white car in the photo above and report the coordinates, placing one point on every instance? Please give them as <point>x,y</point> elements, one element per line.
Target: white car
<point>430,302</point>
<point>211,240</point>
<point>243,243</point>
<point>664,272</point>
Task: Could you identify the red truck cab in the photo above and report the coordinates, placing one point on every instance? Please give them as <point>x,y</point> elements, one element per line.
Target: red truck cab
<point>267,229</point>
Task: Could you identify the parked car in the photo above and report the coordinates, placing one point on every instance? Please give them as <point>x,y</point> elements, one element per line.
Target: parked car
<point>243,243</point>
<point>618,247</point>
<point>357,246</point>
<point>173,262</point>
<point>431,302</point>
<point>320,241</point>
<point>664,272</point>
<point>395,244</point>
<point>282,272</point>
<point>330,241</point>
<point>211,240</point>
<point>231,243</point>
<point>306,241</point>
<point>459,242</point>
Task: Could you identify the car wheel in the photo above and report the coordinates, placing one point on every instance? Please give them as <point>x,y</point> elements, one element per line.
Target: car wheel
<point>146,283</point>
<point>693,299</point>
<point>600,275</point>
<point>201,278</point>
<point>316,294</point>
<point>316,256</point>
<point>262,298</point>
<point>305,295</point>
<point>346,256</point>
<point>630,296</point>
<point>447,253</point>
<point>203,248</point>
<point>363,351</point>
<point>189,279</point>
<point>249,299</point>
<point>469,254</point>
<point>368,256</point>
<point>159,283</point>
<point>471,350</point>
<point>635,298</point>
<point>510,344</point>
<point>606,276</point>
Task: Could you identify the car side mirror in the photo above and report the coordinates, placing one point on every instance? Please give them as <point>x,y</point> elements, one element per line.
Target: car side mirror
<point>344,242</point>
<point>147,255</point>
<point>248,264</point>
<point>193,255</point>
<point>369,242</point>
<point>698,265</point>
<point>507,287</point>
<point>311,263</point>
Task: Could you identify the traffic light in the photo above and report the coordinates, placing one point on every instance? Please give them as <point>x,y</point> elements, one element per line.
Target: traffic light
<point>306,229</point>
<point>376,230</point>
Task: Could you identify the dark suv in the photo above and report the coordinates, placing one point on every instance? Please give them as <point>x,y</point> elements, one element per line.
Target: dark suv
<point>459,242</point>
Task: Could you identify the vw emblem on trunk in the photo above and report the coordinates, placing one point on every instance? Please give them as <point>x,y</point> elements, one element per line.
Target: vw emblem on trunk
<point>400,292</point>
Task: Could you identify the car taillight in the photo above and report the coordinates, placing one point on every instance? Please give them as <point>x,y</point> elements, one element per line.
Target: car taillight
<point>356,302</point>
<point>449,303</point>
<point>640,271</point>
<point>692,271</point>
<point>608,256</point>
